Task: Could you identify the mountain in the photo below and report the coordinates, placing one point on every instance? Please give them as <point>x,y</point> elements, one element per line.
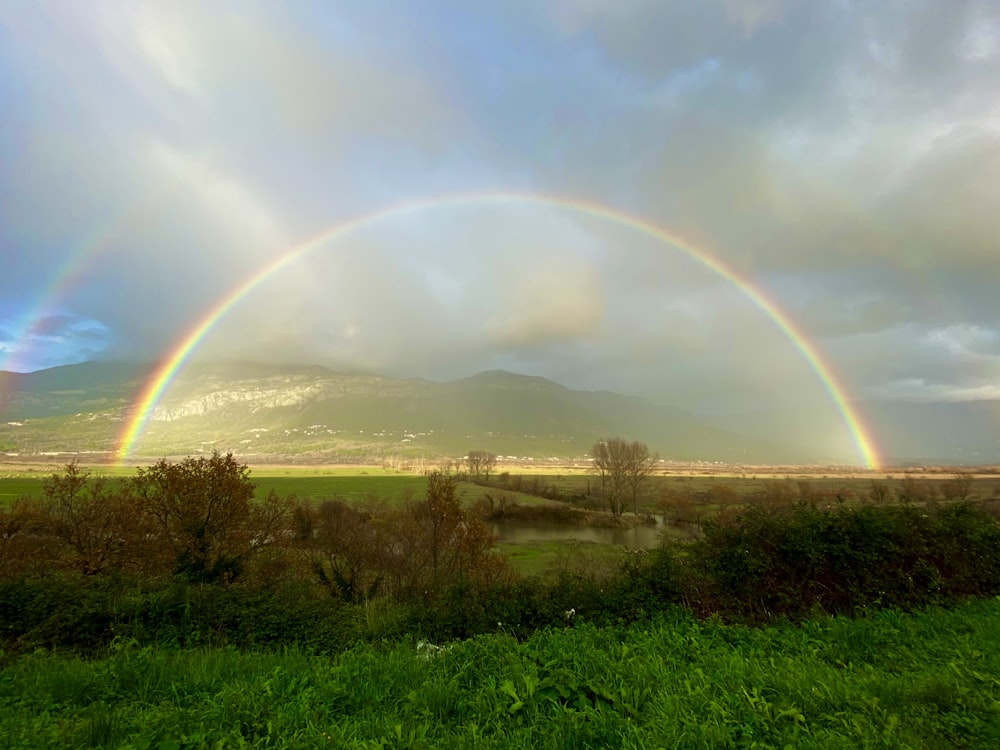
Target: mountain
<point>317,414</point>
<point>68,389</point>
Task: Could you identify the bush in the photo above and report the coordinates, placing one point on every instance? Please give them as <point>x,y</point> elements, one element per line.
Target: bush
<point>790,562</point>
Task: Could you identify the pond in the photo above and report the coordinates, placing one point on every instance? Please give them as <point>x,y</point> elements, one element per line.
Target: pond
<point>514,532</point>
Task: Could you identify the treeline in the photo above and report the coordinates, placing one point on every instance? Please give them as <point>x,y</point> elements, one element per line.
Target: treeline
<point>197,521</point>
<point>182,554</point>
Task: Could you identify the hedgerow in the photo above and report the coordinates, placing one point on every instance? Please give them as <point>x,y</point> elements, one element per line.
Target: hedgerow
<point>181,557</point>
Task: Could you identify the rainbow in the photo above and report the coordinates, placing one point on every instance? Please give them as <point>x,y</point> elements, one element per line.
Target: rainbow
<point>160,379</point>
<point>70,276</point>
<point>33,322</point>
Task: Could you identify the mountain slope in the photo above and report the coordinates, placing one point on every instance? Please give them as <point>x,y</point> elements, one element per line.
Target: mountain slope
<point>319,414</point>
<point>69,389</point>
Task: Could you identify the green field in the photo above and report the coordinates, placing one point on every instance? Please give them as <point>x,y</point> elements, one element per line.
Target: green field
<point>351,487</point>
<point>926,680</point>
<point>303,483</point>
<point>552,558</point>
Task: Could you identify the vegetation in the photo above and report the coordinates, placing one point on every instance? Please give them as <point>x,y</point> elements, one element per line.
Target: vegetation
<point>622,466</point>
<point>196,523</point>
<point>480,464</point>
<point>160,580</point>
<point>889,680</point>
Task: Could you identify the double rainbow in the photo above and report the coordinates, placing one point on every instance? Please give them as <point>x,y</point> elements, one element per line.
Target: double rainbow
<point>73,274</point>
<point>152,392</point>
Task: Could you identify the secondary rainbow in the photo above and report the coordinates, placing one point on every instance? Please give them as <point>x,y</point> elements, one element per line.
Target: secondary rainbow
<point>71,275</point>
<point>154,389</point>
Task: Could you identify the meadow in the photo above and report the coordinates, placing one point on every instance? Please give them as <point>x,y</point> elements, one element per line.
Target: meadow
<point>873,621</point>
<point>359,482</point>
<point>925,680</point>
<point>306,483</point>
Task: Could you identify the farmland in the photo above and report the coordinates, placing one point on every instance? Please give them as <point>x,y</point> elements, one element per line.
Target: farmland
<point>357,482</point>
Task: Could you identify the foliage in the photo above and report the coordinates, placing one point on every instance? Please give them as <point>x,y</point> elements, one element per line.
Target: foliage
<point>96,525</point>
<point>203,510</point>
<point>346,547</point>
<point>774,561</point>
<point>413,551</point>
<point>182,553</point>
<point>889,680</point>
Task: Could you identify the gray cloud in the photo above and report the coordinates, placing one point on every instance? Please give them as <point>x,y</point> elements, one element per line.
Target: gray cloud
<point>841,158</point>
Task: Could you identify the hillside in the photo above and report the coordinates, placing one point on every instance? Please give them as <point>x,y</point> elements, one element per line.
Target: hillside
<point>317,414</point>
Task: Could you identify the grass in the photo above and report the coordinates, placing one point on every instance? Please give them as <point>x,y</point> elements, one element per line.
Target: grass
<point>926,680</point>
<point>348,483</point>
<point>13,487</point>
<point>347,487</point>
<point>549,559</point>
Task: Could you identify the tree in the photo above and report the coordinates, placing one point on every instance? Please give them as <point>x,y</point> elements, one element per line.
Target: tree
<point>622,466</point>
<point>481,463</point>
<point>348,546</point>
<point>97,522</point>
<point>204,512</point>
<point>438,543</point>
<point>489,464</point>
<point>640,463</point>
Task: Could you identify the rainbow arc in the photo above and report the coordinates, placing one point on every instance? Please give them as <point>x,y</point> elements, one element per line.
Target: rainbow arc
<point>154,389</point>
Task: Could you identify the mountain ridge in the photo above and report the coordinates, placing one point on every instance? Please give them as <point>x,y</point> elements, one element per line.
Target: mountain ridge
<point>277,409</point>
<point>320,411</point>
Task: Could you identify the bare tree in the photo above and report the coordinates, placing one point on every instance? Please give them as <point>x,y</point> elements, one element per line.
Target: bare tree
<point>489,464</point>
<point>640,463</point>
<point>622,466</point>
<point>601,465</point>
<point>481,463</point>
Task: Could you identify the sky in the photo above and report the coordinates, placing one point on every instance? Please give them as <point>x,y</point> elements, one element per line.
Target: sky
<point>842,158</point>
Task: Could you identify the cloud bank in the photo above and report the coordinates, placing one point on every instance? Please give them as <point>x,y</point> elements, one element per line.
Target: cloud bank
<point>843,158</point>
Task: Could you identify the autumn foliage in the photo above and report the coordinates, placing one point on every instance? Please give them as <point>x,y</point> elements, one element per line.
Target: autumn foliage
<point>411,552</point>
<point>198,521</point>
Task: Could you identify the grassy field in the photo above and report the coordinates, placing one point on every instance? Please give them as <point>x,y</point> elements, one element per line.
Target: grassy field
<point>550,558</point>
<point>926,680</point>
<point>304,483</point>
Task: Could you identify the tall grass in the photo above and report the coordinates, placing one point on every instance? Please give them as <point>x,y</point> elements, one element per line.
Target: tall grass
<point>930,679</point>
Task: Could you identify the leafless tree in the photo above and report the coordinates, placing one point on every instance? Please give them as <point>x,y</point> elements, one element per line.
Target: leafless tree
<point>481,463</point>
<point>640,463</point>
<point>622,466</point>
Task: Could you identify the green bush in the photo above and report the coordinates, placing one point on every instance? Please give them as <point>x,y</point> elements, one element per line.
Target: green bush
<point>793,561</point>
<point>646,584</point>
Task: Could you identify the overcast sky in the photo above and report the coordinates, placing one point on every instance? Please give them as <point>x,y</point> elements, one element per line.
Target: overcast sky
<point>844,157</point>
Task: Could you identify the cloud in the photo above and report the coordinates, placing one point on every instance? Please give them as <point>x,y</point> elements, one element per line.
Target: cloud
<point>842,159</point>
<point>53,340</point>
<point>546,303</point>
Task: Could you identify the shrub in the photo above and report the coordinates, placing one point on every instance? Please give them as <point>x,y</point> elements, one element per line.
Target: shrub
<point>788,562</point>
